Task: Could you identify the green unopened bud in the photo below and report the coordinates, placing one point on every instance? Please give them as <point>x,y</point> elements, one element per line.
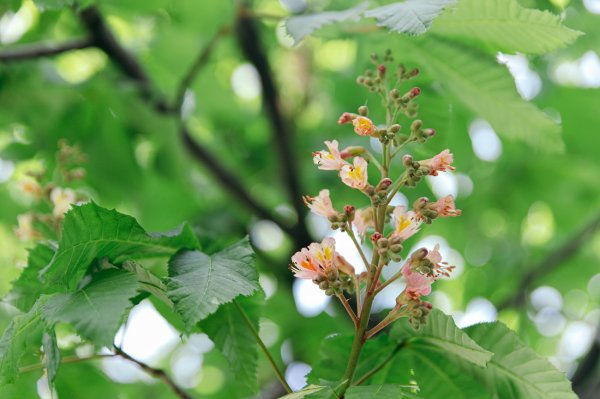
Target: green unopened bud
<point>395,128</point>
<point>360,80</point>
<point>368,81</point>
<point>363,110</point>
<point>395,93</point>
<point>416,125</point>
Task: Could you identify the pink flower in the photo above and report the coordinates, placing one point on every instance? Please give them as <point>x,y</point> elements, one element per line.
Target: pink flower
<point>314,261</point>
<point>62,198</point>
<point>346,117</point>
<point>363,220</point>
<point>363,126</point>
<point>406,223</point>
<point>445,207</point>
<point>321,205</point>
<point>417,284</point>
<point>439,268</point>
<point>439,163</point>
<point>25,231</point>
<point>355,175</point>
<point>329,160</point>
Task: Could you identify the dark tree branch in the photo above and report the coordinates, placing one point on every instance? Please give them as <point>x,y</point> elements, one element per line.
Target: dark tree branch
<point>157,373</point>
<point>586,380</point>
<point>551,262</point>
<point>250,43</point>
<point>37,50</point>
<point>104,39</point>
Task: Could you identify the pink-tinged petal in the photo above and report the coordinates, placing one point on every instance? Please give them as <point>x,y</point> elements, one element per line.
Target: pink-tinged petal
<point>363,220</point>
<point>329,160</point>
<point>406,223</point>
<point>343,265</point>
<point>445,207</point>
<point>439,163</point>
<point>356,175</point>
<point>363,126</point>
<point>321,205</point>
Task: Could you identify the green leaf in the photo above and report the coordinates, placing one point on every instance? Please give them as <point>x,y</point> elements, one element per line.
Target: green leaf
<point>148,282</point>
<point>229,330</point>
<point>487,89</point>
<point>28,287</point>
<point>390,391</point>
<point>411,16</point>
<point>23,332</point>
<point>441,331</point>
<point>199,283</point>
<point>96,310</point>
<point>51,354</point>
<point>504,26</point>
<point>432,369</point>
<point>300,26</point>
<point>90,232</point>
<point>515,370</point>
<point>308,390</point>
<point>53,4</point>
<point>335,351</point>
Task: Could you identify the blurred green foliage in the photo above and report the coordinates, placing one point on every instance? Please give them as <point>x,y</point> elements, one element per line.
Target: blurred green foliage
<point>540,191</point>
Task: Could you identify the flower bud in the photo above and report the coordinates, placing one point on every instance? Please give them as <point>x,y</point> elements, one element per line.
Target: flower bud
<point>346,117</point>
<point>384,184</point>
<point>376,236</point>
<point>416,125</point>
<point>360,80</point>
<point>408,160</point>
<point>363,110</point>
<point>414,72</point>
<point>395,128</point>
<point>349,212</point>
<point>395,93</point>
<point>415,91</point>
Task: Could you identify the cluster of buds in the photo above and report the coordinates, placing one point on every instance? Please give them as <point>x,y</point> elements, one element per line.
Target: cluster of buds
<point>51,188</point>
<point>329,269</point>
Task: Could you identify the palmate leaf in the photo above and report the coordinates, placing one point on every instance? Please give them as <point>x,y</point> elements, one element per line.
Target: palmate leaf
<point>28,287</point>
<point>389,391</point>
<point>199,283</point>
<point>436,376</point>
<point>486,88</point>
<point>51,354</point>
<point>23,332</point>
<point>413,17</point>
<point>96,311</point>
<point>503,25</point>
<point>90,232</point>
<point>300,26</point>
<point>441,331</point>
<point>148,282</point>
<point>228,329</point>
<point>515,370</point>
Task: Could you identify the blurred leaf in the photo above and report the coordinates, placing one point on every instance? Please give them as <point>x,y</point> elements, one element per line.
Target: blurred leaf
<point>28,287</point>
<point>390,391</point>
<point>305,392</point>
<point>335,352</point>
<point>436,376</point>
<point>487,88</point>
<point>504,26</point>
<point>23,332</point>
<point>90,232</point>
<point>199,283</point>
<point>51,354</point>
<point>96,311</point>
<point>148,282</point>
<point>231,334</point>
<point>300,26</point>
<point>515,370</point>
<point>53,4</point>
<point>441,331</point>
<point>411,16</point>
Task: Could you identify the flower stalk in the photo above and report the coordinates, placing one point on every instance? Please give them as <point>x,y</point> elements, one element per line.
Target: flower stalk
<point>327,268</point>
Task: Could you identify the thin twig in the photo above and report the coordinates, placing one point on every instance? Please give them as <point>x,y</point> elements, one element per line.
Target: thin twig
<point>66,360</point>
<point>37,50</point>
<point>351,313</point>
<point>263,347</point>
<point>381,365</point>
<point>551,262</point>
<point>157,373</point>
